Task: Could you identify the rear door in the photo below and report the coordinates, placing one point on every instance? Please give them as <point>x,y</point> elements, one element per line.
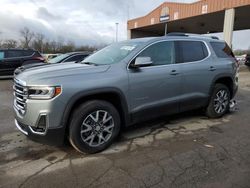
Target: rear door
<point>198,71</point>
<point>154,90</point>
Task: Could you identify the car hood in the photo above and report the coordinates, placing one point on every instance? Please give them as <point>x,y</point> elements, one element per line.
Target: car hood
<point>59,70</point>
<point>28,66</point>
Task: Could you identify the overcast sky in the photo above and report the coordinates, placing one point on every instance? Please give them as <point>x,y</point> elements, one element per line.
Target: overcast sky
<point>84,22</point>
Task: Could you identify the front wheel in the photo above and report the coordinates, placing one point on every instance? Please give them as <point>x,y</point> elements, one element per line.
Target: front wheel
<point>94,126</point>
<point>219,101</point>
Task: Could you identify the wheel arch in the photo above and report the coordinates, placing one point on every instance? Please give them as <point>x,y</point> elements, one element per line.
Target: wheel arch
<point>225,79</point>
<point>112,95</point>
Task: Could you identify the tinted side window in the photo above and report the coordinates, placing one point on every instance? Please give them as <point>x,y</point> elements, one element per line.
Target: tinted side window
<point>221,49</point>
<point>161,53</point>
<point>189,51</point>
<point>28,53</point>
<point>76,58</point>
<point>15,53</point>
<point>2,55</point>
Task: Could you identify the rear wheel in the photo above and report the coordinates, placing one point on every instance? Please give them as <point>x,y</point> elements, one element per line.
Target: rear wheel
<point>94,126</point>
<point>219,101</point>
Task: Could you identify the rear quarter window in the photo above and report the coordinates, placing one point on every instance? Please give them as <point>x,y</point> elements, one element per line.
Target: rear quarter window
<point>73,58</point>
<point>222,50</point>
<point>190,51</point>
<point>2,55</point>
<point>28,53</point>
<point>14,53</point>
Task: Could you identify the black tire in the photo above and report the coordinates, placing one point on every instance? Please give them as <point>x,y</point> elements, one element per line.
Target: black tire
<point>82,113</point>
<point>211,108</point>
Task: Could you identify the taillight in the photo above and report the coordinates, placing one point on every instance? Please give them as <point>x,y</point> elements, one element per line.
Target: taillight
<point>237,62</point>
<point>39,58</point>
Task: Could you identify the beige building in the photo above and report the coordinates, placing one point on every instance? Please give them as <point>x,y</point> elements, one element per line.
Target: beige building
<point>202,17</point>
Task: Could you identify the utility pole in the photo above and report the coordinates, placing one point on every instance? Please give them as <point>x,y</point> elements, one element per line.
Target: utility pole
<point>116,33</point>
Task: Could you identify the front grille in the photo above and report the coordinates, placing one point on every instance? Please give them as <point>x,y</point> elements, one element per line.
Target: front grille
<point>20,96</point>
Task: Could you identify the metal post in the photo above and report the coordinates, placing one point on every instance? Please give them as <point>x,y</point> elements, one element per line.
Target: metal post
<point>166,29</point>
<point>229,26</point>
<point>116,34</point>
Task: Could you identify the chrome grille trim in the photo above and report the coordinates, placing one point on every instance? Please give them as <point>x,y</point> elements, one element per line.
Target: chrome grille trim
<point>19,128</point>
<point>20,96</point>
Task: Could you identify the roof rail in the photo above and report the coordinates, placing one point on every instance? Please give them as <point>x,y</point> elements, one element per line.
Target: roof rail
<point>214,37</point>
<point>177,34</point>
<point>190,35</point>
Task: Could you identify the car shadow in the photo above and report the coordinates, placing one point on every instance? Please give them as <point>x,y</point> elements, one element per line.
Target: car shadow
<point>147,126</point>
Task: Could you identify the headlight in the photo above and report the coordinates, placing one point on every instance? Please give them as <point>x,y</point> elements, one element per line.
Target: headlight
<point>43,92</point>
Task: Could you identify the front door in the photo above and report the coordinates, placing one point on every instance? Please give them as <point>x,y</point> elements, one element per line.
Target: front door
<point>154,90</point>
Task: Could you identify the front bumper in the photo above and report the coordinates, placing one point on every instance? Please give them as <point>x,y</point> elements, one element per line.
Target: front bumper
<point>53,136</point>
<point>235,90</point>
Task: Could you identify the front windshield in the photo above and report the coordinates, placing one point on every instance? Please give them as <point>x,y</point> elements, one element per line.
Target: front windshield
<point>113,53</point>
<point>58,58</point>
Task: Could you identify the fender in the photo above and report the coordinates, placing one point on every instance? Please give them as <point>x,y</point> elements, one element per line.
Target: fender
<point>88,93</point>
<point>217,77</point>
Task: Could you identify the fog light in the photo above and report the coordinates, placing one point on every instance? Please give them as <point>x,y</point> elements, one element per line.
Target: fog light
<point>41,125</point>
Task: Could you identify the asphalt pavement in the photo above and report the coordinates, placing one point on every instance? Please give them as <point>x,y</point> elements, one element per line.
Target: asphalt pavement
<point>185,150</point>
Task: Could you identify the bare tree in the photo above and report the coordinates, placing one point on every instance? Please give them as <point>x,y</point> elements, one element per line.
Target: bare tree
<point>10,43</point>
<point>53,46</point>
<point>69,47</point>
<point>60,43</point>
<point>27,36</point>
<point>86,48</point>
<point>38,42</point>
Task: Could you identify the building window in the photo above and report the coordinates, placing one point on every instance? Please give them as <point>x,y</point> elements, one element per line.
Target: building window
<point>152,21</point>
<point>176,15</point>
<point>136,25</point>
<point>204,9</point>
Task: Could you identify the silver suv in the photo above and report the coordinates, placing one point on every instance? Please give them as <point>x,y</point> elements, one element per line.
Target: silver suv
<point>125,83</point>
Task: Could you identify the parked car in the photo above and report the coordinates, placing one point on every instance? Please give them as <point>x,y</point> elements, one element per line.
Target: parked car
<point>247,61</point>
<point>50,56</point>
<point>122,84</point>
<point>10,59</point>
<point>63,58</point>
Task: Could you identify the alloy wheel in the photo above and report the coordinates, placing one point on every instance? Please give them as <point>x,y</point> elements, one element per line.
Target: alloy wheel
<point>97,128</point>
<point>221,101</point>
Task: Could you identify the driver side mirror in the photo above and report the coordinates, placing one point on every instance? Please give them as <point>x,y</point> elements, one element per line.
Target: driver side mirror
<point>142,62</point>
